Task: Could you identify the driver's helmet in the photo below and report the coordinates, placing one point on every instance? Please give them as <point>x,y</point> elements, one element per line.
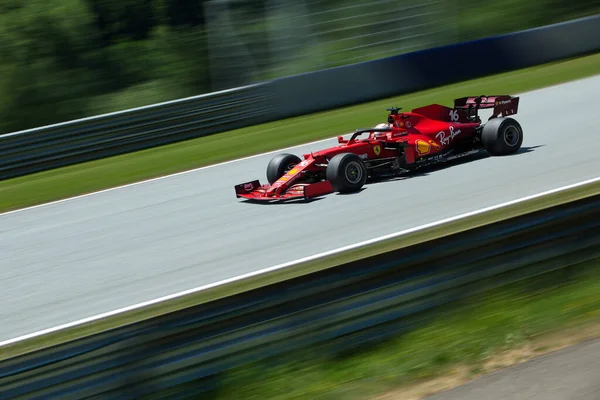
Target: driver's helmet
<point>381,126</point>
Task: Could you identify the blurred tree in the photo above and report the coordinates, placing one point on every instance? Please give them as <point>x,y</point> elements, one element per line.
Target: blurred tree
<point>183,12</point>
<point>183,58</point>
<point>479,19</point>
<point>47,52</point>
<point>123,19</point>
<point>67,59</point>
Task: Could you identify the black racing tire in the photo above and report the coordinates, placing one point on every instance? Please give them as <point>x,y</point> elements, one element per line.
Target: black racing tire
<point>279,165</point>
<point>502,136</point>
<point>346,172</point>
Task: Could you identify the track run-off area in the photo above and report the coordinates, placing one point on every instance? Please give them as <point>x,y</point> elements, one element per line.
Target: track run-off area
<point>74,259</point>
<point>570,373</point>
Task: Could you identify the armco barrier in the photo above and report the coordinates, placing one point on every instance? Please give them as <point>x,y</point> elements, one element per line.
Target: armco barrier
<point>390,76</point>
<point>359,301</point>
<point>116,133</point>
<point>91,138</point>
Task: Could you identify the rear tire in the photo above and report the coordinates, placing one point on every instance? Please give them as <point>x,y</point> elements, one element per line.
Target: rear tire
<point>502,136</point>
<point>279,165</point>
<point>346,172</point>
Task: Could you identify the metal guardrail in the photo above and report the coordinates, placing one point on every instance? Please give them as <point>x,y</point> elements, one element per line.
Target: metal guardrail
<point>131,130</point>
<point>433,67</point>
<point>361,300</point>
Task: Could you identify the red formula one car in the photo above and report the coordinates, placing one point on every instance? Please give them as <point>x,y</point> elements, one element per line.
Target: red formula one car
<point>408,141</point>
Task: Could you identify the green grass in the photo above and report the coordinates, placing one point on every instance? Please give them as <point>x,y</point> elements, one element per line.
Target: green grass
<point>100,174</point>
<point>466,334</point>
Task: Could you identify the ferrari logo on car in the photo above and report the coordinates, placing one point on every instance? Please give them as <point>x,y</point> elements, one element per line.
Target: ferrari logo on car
<point>377,150</point>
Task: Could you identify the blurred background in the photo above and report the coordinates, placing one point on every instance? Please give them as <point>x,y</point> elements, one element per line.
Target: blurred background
<point>67,59</point>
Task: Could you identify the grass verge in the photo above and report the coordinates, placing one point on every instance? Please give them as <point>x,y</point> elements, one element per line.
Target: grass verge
<point>478,335</point>
<point>109,172</point>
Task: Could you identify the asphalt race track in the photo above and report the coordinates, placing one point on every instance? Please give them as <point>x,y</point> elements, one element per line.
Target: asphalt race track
<point>571,373</point>
<point>75,259</point>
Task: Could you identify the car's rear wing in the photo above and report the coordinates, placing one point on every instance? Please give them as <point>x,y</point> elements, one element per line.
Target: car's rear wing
<point>502,104</point>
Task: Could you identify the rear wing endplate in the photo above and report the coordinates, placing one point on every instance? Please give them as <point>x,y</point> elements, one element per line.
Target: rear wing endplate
<point>502,104</point>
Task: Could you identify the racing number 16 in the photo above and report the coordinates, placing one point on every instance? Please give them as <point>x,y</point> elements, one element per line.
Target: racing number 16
<point>454,115</point>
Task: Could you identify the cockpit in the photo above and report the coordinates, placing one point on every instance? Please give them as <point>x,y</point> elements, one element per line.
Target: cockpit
<point>380,135</point>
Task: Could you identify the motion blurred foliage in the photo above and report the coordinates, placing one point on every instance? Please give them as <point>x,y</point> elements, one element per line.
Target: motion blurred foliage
<point>67,59</point>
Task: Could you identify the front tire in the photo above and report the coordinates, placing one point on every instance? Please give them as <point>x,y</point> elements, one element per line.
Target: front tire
<point>502,136</point>
<point>279,165</point>
<point>346,172</point>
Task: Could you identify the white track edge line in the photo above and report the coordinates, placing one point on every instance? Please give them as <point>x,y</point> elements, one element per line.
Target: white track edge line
<point>298,261</point>
<point>166,176</point>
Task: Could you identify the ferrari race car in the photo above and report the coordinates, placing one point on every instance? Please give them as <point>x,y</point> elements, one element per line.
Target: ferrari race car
<point>408,141</point>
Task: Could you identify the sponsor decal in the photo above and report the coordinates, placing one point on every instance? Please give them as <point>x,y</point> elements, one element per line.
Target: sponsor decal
<point>363,156</point>
<point>292,171</point>
<point>377,150</point>
<point>432,159</point>
<point>445,137</point>
<point>408,124</point>
<point>304,163</point>
<point>503,102</point>
<point>248,187</point>
<point>296,189</point>
<point>422,147</point>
